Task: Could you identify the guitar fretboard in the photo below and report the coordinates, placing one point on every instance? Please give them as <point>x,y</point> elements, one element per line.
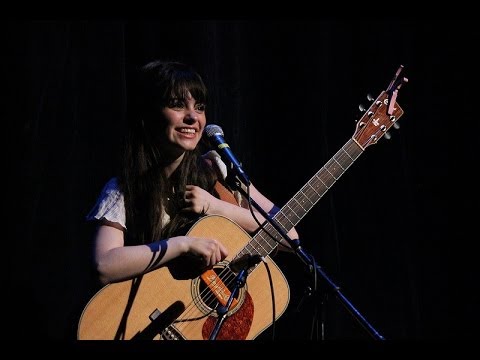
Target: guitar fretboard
<point>304,200</point>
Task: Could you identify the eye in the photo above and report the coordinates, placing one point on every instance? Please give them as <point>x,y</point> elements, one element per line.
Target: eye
<point>200,107</point>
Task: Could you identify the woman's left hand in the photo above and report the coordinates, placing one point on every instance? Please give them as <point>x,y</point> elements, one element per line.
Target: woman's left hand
<point>199,200</point>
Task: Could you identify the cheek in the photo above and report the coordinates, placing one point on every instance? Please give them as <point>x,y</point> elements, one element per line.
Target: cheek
<point>170,117</point>
<point>202,119</point>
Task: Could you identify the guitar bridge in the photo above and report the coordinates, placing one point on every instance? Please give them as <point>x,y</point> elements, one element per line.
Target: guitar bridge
<point>171,333</point>
<point>161,324</point>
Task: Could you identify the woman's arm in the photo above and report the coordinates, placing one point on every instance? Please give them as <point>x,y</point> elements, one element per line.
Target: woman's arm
<point>116,262</point>
<point>199,200</point>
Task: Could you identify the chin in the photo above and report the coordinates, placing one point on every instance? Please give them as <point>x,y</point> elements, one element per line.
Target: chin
<point>189,147</point>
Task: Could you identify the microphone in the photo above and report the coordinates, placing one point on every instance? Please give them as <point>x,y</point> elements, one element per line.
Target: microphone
<point>245,262</point>
<point>240,266</point>
<point>215,136</point>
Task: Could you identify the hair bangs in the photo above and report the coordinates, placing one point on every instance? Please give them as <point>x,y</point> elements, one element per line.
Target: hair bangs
<point>188,83</point>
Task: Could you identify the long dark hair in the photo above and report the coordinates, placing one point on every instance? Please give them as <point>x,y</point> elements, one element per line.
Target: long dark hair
<point>148,193</point>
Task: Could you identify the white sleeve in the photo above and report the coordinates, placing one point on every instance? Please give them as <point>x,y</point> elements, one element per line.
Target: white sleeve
<point>110,204</point>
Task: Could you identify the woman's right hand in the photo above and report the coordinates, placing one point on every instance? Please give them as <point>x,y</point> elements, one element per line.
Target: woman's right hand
<point>209,250</point>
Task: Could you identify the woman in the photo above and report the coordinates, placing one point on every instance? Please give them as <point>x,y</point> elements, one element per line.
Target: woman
<point>166,184</point>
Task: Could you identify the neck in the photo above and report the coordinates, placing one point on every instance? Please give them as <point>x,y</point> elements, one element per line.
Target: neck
<point>173,165</point>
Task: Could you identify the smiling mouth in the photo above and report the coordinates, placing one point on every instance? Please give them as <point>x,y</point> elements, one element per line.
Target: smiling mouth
<point>187,131</point>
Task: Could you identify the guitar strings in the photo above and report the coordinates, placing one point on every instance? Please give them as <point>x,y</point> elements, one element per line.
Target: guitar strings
<point>226,276</point>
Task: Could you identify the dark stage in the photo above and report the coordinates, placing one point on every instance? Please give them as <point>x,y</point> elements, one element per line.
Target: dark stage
<point>286,93</point>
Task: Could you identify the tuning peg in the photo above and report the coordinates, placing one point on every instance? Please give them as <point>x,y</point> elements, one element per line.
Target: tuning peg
<point>396,125</point>
<point>362,108</point>
<point>387,135</point>
<point>370,97</point>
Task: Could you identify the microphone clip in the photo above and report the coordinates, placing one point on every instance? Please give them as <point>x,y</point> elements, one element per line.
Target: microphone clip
<point>245,262</point>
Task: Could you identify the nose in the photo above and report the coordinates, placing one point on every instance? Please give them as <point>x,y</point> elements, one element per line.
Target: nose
<point>191,117</point>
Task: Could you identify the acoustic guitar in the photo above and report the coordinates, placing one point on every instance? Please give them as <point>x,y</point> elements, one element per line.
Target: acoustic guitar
<point>176,303</point>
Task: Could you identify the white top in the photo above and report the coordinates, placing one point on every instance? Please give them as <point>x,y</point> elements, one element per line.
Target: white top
<point>111,206</point>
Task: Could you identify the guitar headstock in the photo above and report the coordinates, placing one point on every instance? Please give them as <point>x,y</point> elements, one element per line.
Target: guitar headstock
<point>382,115</point>
<point>376,121</point>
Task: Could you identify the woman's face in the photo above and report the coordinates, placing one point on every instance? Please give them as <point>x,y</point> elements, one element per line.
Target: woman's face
<point>184,123</point>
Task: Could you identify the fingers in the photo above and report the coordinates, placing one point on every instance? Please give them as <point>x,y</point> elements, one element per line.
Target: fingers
<point>217,253</point>
<point>196,199</point>
<point>223,251</point>
<point>212,251</point>
<point>191,192</point>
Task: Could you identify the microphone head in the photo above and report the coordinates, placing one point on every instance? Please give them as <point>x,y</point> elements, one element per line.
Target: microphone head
<point>212,129</point>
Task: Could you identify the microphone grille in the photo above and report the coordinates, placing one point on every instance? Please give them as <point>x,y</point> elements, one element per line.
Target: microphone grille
<point>213,129</point>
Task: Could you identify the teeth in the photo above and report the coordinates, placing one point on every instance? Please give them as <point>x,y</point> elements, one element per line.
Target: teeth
<point>190,131</point>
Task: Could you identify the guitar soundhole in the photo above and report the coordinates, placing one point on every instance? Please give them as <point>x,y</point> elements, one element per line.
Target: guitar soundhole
<point>208,298</point>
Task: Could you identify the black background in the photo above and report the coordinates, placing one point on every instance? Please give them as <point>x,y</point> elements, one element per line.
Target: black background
<point>286,93</point>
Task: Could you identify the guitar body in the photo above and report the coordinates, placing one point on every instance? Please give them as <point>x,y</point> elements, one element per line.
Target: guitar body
<point>126,310</point>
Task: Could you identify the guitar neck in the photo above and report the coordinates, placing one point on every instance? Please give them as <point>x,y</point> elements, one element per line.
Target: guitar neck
<point>376,121</point>
<point>304,200</point>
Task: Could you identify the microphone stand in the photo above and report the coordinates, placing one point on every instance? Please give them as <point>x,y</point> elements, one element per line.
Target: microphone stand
<point>236,183</point>
<point>223,310</point>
